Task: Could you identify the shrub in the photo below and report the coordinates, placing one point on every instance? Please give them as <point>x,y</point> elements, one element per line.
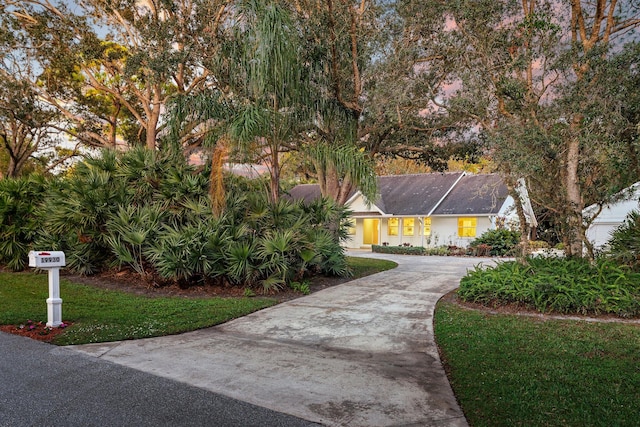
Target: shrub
<point>500,242</point>
<point>279,255</point>
<point>77,210</point>
<point>438,250</point>
<point>624,245</point>
<point>149,211</point>
<point>20,199</point>
<point>129,233</point>
<point>331,259</point>
<point>399,250</point>
<point>188,252</point>
<point>556,284</point>
<point>538,244</point>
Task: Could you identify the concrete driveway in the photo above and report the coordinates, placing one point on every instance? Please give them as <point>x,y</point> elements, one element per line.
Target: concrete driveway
<point>357,354</point>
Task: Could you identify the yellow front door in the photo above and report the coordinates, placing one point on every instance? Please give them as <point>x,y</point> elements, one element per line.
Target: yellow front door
<point>371,227</point>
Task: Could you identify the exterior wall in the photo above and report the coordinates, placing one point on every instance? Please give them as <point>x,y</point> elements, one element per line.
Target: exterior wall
<point>611,217</point>
<point>358,205</point>
<point>401,238</point>
<point>600,233</point>
<point>355,240</point>
<point>444,231</point>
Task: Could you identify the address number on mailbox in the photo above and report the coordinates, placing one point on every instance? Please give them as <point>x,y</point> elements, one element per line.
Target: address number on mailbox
<point>46,259</point>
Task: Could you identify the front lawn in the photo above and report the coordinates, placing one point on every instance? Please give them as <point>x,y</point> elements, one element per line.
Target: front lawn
<point>100,315</point>
<point>510,370</point>
<point>361,267</point>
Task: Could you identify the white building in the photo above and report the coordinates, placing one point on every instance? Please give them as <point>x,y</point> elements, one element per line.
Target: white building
<point>424,209</point>
<point>612,215</point>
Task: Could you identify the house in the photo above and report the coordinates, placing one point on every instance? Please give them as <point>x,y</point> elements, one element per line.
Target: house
<point>612,215</point>
<point>424,209</point>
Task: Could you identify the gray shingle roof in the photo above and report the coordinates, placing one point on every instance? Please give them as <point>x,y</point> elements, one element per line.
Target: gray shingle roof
<point>305,192</point>
<point>475,195</point>
<point>414,194</point>
<point>419,194</point>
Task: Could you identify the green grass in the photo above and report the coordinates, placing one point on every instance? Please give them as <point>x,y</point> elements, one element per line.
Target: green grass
<point>366,266</point>
<point>517,371</point>
<point>100,315</point>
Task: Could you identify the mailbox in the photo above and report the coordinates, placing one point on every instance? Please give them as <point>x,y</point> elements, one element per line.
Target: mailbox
<point>52,259</point>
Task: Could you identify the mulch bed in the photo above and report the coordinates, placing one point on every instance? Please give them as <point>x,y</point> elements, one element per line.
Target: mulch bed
<point>127,281</point>
<point>523,310</point>
<point>34,330</point>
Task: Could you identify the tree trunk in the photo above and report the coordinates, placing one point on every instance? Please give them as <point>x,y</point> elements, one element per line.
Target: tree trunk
<point>332,183</point>
<point>522,219</point>
<point>345,189</point>
<point>12,169</point>
<point>216,183</point>
<point>152,120</point>
<point>274,173</point>
<point>574,195</point>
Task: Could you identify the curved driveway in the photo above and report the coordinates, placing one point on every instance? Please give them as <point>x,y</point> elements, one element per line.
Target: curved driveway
<point>357,354</point>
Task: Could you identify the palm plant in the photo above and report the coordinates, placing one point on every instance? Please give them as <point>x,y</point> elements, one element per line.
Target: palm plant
<point>330,258</point>
<point>185,253</point>
<point>267,215</point>
<point>203,119</point>
<point>270,76</point>
<point>129,233</point>
<point>278,252</point>
<point>180,185</point>
<point>624,245</point>
<point>19,222</point>
<point>143,170</point>
<point>243,265</point>
<point>264,105</point>
<point>77,210</point>
<point>327,214</point>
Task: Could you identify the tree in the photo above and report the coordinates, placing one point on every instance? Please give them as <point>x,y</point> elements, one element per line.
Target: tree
<point>258,107</point>
<point>533,84</point>
<point>24,127</point>
<point>592,28</point>
<point>25,123</point>
<point>372,92</point>
<point>340,169</point>
<point>111,68</point>
<point>268,79</point>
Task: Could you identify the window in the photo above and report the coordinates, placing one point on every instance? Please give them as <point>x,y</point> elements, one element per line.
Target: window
<point>467,227</point>
<point>349,226</point>
<point>427,226</point>
<point>392,226</point>
<point>408,226</point>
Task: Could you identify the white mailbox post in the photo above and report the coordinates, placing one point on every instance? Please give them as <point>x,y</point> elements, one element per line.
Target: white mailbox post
<point>51,261</point>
